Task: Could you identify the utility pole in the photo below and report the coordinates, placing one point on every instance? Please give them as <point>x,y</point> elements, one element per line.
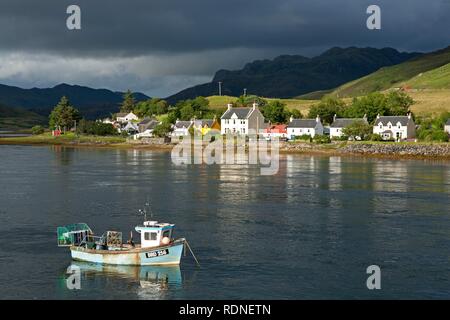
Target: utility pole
<point>220,88</point>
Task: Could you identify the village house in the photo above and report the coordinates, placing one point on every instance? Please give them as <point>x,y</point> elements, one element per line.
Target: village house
<point>181,128</point>
<point>130,128</point>
<point>126,117</point>
<point>204,126</point>
<point>340,123</point>
<point>242,120</point>
<point>447,126</point>
<point>275,131</point>
<point>146,127</point>
<point>395,127</point>
<point>300,127</point>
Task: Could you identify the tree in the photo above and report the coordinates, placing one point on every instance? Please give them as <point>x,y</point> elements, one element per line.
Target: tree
<point>64,115</point>
<point>96,128</point>
<point>151,107</point>
<point>296,114</point>
<point>370,105</point>
<point>327,108</point>
<point>162,129</point>
<point>358,128</point>
<point>275,111</point>
<point>398,103</point>
<point>187,112</point>
<point>37,130</point>
<point>128,103</point>
<point>247,101</point>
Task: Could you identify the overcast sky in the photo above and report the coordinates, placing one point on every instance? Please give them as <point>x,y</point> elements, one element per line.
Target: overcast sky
<point>162,46</point>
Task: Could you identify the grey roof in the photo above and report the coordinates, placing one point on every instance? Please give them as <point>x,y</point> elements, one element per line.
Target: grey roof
<point>393,120</point>
<point>148,125</point>
<point>303,123</point>
<point>202,122</point>
<point>448,122</point>
<point>146,120</point>
<point>181,124</point>
<point>241,113</point>
<point>121,114</point>
<point>344,122</point>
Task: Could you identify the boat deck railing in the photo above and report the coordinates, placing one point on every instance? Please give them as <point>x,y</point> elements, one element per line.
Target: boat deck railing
<point>91,238</point>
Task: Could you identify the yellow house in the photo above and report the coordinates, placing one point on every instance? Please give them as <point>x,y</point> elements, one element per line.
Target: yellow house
<point>205,126</point>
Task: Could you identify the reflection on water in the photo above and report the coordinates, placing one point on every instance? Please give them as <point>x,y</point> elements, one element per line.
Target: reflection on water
<point>150,282</point>
<point>309,231</point>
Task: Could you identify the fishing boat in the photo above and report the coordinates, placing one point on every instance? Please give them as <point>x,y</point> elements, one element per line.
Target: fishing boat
<point>157,246</point>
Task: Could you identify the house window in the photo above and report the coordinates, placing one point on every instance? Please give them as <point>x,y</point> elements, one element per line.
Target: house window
<point>150,236</point>
<point>234,121</point>
<point>243,130</point>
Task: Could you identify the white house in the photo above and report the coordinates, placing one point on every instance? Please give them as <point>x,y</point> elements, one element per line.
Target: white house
<point>181,128</point>
<point>447,126</point>
<point>130,128</point>
<point>146,128</point>
<point>242,120</point>
<point>340,123</point>
<point>395,127</point>
<point>300,127</point>
<point>126,117</point>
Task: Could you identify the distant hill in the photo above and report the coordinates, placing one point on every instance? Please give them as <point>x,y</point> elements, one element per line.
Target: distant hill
<point>293,75</point>
<point>92,103</point>
<point>428,71</point>
<point>17,118</point>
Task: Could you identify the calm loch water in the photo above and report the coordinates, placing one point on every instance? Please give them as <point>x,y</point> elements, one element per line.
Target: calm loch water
<point>308,232</point>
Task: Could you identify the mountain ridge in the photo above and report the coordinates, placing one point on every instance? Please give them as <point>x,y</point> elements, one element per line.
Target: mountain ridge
<point>91,102</point>
<point>287,76</point>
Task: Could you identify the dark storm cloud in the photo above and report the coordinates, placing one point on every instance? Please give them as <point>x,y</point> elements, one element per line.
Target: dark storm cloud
<point>172,26</point>
<point>178,40</point>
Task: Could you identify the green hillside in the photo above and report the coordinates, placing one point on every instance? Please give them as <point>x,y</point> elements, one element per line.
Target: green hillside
<point>399,75</point>
<point>17,118</point>
<point>438,78</point>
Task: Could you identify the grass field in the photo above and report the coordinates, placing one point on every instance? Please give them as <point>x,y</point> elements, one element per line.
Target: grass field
<point>428,102</point>
<point>67,139</point>
<point>220,102</point>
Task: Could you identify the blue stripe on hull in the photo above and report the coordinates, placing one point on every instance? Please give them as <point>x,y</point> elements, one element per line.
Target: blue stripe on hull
<point>171,256</point>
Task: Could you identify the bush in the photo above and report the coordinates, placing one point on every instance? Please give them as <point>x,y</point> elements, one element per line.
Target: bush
<point>375,137</point>
<point>321,139</point>
<point>304,137</point>
<point>37,130</point>
<point>162,129</point>
<point>433,135</point>
<point>96,128</point>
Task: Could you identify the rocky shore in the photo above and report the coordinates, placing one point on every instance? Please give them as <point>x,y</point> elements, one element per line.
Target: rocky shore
<point>391,149</point>
<point>441,150</point>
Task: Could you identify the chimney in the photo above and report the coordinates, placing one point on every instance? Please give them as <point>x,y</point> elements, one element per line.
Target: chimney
<point>409,115</point>
<point>229,106</point>
<point>317,118</point>
<point>255,105</point>
<point>334,117</point>
<point>291,118</point>
<point>378,116</point>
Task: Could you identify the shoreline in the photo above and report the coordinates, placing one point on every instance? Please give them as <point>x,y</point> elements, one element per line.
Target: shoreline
<point>386,150</point>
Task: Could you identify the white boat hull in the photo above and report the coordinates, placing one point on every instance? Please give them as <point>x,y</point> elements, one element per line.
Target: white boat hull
<point>166,255</point>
